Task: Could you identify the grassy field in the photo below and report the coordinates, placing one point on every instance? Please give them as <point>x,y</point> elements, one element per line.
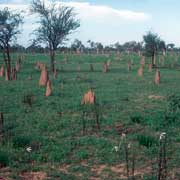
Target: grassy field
<point>53,125</point>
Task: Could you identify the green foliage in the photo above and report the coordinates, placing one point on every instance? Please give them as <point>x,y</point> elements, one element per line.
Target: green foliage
<point>136,119</point>
<point>53,125</point>
<point>169,119</point>
<point>28,99</point>
<point>21,141</point>
<point>4,159</point>
<point>153,44</point>
<point>9,23</point>
<point>82,154</point>
<point>171,115</point>
<point>55,23</point>
<point>79,168</point>
<point>61,175</point>
<point>174,103</point>
<point>150,178</point>
<point>146,140</point>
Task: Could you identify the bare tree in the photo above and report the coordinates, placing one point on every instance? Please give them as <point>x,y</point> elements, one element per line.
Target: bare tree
<point>56,23</point>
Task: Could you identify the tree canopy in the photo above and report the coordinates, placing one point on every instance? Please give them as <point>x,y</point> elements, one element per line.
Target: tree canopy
<point>56,23</point>
<point>9,29</point>
<point>153,44</point>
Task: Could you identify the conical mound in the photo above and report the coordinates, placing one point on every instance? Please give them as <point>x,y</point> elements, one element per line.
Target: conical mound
<point>43,77</point>
<point>48,89</point>
<point>2,71</point>
<point>89,98</point>
<point>140,71</point>
<point>157,77</point>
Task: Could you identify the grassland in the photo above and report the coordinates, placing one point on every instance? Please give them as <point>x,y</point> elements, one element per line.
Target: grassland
<point>52,126</point>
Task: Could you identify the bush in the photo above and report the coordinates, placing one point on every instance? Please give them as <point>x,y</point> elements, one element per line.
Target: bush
<point>4,159</point>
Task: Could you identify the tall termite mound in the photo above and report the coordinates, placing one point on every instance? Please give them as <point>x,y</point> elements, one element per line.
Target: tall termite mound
<point>157,77</point>
<point>48,89</point>
<point>140,71</point>
<point>2,71</point>
<point>44,76</point>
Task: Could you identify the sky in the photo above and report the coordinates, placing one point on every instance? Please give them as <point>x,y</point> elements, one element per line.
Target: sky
<point>111,21</point>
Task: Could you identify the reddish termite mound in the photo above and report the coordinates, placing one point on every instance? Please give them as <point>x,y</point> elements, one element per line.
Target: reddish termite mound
<point>157,77</point>
<point>48,89</point>
<point>89,98</point>
<point>105,67</point>
<point>44,76</point>
<point>140,71</point>
<point>2,71</point>
<point>129,66</point>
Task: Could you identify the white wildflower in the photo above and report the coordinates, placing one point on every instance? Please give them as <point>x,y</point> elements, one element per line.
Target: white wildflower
<point>116,148</point>
<point>162,136</point>
<point>129,145</point>
<point>123,135</point>
<point>29,149</point>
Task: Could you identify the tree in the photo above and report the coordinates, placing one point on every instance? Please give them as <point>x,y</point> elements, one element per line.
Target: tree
<point>170,46</point>
<point>9,29</point>
<point>152,46</point>
<point>138,47</point>
<point>162,47</point>
<point>99,47</point>
<point>56,23</point>
<point>18,48</point>
<point>129,46</point>
<point>91,44</point>
<point>77,46</point>
<point>34,48</point>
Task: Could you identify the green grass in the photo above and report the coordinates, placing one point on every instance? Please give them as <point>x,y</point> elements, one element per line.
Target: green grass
<point>53,125</point>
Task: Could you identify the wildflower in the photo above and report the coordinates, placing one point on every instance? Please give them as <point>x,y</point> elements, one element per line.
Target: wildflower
<point>162,136</point>
<point>129,145</point>
<point>116,148</point>
<point>29,149</point>
<point>123,135</point>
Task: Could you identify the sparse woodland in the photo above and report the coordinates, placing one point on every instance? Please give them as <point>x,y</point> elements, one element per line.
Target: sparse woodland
<point>86,112</point>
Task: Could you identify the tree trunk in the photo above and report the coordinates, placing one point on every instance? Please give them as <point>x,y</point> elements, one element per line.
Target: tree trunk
<point>52,56</point>
<point>4,55</point>
<point>153,60</point>
<point>5,59</point>
<point>8,61</point>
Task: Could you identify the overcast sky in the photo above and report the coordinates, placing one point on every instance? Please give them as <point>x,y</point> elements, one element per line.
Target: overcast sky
<point>109,21</point>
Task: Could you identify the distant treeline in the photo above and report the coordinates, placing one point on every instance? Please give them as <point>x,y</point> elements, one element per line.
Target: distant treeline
<point>94,48</point>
